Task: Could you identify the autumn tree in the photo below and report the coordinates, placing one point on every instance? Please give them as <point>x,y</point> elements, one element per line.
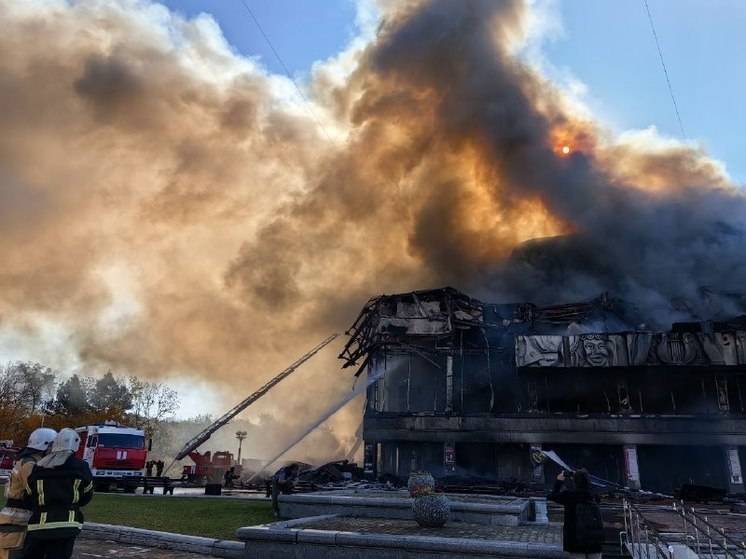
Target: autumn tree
<point>36,384</point>
<point>152,403</point>
<point>23,389</point>
<point>32,396</point>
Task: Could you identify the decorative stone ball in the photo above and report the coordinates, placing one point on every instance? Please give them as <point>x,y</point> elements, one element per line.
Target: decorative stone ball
<point>420,482</point>
<point>432,510</point>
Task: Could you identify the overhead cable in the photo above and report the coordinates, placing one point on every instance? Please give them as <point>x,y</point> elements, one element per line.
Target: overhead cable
<point>665,70</point>
<point>286,70</point>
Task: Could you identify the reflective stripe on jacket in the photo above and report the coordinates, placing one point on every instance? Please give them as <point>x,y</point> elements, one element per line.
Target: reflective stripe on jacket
<point>56,495</point>
<point>18,480</point>
<point>14,515</point>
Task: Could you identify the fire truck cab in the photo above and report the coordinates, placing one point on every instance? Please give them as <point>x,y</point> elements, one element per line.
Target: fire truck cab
<point>112,451</point>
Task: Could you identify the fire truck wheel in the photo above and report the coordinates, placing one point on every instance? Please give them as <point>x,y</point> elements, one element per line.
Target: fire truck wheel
<point>101,486</point>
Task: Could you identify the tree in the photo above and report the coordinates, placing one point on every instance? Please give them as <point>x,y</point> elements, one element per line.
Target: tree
<point>110,395</point>
<point>171,434</point>
<point>23,388</point>
<point>152,403</point>
<point>72,397</point>
<point>36,385</point>
<point>11,409</point>
<point>31,397</point>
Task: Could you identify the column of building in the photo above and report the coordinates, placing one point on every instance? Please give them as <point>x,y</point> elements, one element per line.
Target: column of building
<point>735,473</point>
<point>537,463</point>
<point>631,467</point>
<point>449,447</point>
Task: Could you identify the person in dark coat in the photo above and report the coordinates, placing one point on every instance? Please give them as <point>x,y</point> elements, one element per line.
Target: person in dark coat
<point>59,485</point>
<point>159,468</point>
<point>582,531</point>
<point>229,477</point>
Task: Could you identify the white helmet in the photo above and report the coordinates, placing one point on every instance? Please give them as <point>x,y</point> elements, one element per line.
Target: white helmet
<point>66,440</point>
<point>41,438</point>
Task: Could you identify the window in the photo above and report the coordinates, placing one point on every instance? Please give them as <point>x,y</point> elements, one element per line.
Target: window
<point>115,440</point>
<point>92,441</point>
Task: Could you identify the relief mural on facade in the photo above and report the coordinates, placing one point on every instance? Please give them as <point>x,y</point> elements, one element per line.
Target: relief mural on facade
<point>632,349</point>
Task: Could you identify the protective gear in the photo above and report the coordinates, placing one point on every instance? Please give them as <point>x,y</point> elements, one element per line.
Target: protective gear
<point>15,514</point>
<point>37,548</point>
<point>41,438</point>
<point>56,494</point>
<point>65,444</point>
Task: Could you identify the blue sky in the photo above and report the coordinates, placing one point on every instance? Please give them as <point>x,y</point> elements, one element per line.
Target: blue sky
<point>606,44</point>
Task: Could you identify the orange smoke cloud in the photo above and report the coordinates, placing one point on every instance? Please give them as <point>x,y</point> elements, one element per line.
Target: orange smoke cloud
<point>167,205</point>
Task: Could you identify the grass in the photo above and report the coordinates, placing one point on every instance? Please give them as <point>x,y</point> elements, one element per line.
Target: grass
<point>212,518</point>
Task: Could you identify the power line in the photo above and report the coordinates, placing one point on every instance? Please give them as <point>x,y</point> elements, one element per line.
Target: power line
<point>286,70</point>
<point>665,70</point>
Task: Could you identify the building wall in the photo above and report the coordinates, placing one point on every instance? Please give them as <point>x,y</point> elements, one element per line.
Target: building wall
<point>668,467</point>
<point>662,468</point>
<point>679,420</point>
<point>487,391</point>
<point>482,382</point>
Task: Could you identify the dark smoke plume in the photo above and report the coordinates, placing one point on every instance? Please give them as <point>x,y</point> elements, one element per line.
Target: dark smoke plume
<point>171,208</point>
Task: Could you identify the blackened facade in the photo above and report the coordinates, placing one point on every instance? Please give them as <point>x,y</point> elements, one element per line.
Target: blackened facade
<point>466,388</point>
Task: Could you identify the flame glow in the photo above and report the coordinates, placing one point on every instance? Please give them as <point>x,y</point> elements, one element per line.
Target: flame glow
<point>141,141</point>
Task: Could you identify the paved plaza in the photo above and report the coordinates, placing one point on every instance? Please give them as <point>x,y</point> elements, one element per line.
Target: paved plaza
<point>98,549</point>
<point>547,534</point>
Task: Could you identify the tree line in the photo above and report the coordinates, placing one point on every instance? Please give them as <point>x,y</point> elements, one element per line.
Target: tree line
<point>33,395</point>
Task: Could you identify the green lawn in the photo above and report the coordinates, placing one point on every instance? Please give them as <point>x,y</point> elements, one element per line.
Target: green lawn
<point>213,518</point>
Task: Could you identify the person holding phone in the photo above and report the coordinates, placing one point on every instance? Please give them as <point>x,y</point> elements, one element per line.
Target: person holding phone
<point>583,529</point>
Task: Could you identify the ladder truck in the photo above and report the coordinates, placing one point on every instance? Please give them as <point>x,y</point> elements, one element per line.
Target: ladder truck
<point>213,467</point>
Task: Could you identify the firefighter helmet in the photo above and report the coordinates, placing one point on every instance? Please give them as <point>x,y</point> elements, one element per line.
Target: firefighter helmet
<point>41,438</point>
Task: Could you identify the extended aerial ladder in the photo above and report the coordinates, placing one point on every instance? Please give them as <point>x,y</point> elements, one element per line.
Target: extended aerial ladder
<point>199,439</point>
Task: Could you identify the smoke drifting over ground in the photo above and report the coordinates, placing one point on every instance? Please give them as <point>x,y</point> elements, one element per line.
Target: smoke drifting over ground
<point>174,211</point>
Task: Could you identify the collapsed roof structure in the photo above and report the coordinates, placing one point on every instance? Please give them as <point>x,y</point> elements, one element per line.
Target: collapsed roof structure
<point>462,387</point>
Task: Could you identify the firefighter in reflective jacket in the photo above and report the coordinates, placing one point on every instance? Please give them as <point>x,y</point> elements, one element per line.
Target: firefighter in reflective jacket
<point>14,515</point>
<point>59,485</point>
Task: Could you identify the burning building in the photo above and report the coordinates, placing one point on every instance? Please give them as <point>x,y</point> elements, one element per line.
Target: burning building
<point>458,386</point>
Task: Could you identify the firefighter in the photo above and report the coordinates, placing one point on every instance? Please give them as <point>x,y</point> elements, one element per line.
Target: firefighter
<point>14,516</point>
<point>228,477</point>
<point>59,485</point>
<point>283,482</point>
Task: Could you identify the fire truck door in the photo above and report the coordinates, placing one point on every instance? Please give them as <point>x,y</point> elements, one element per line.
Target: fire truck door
<point>90,448</point>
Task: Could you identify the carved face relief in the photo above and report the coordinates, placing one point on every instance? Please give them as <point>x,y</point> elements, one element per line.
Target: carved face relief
<point>597,352</point>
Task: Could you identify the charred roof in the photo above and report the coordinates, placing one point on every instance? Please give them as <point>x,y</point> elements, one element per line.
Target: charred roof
<point>390,319</point>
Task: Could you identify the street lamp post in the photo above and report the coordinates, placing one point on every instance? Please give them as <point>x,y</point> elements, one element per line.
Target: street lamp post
<point>240,435</point>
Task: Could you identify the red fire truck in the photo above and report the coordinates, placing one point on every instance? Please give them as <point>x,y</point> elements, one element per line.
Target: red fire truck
<point>7,457</point>
<point>208,467</point>
<point>113,452</point>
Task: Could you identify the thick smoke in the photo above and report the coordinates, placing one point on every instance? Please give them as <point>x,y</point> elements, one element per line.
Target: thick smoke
<point>455,160</point>
<point>174,210</point>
